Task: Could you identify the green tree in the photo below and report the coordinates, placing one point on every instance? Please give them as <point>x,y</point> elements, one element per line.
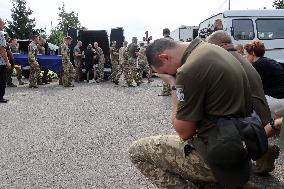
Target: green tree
<point>67,20</point>
<point>56,37</point>
<point>278,4</point>
<point>21,26</point>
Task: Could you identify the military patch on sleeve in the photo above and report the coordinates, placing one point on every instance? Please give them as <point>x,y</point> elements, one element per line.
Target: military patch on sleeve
<point>180,93</point>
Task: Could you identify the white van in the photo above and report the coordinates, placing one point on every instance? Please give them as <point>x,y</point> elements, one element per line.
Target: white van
<point>247,25</point>
<point>184,33</point>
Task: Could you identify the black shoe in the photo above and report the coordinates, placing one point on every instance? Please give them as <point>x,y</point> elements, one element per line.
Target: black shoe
<point>11,85</point>
<point>116,82</point>
<point>150,80</point>
<point>138,84</point>
<point>130,85</point>
<point>3,100</point>
<point>32,86</point>
<point>21,83</point>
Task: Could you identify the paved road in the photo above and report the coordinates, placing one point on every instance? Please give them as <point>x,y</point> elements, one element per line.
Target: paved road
<point>55,137</point>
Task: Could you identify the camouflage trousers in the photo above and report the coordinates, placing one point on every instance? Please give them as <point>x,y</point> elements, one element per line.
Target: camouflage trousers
<point>114,70</point>
<point>101,67</point>
<point>131,72</point>
<point>19,72</point>
<point>68,74</point>
<point>121,70</point>
<point>34,75</point>
<point>77,70</point>
<point>144,67</point>
<point>162,160</point>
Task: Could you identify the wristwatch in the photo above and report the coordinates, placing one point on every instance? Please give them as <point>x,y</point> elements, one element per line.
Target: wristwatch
<point>272,124</point>
<point>173,88</point>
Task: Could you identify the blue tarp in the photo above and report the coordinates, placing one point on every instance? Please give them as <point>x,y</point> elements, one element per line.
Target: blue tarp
<point>51,62</point>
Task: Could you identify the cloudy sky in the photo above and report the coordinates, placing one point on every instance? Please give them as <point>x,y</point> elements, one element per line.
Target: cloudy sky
<point>134,16</point>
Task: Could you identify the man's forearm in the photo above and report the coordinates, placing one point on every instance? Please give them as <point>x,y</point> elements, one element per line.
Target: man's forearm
<point>174,105</point>
<point>4,54</point>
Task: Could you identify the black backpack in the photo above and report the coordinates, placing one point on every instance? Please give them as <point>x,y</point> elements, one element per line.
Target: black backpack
<point>251,130</point>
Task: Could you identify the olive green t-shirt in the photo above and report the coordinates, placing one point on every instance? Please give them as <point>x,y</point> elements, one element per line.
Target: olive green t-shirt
<point>210,82</point>
<point>259,101</point>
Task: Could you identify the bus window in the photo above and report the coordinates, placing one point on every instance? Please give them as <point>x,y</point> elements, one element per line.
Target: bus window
<point>270,28</point>
<point>243,29</point>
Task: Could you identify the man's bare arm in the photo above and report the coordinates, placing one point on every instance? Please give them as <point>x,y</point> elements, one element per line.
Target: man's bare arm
<point>3,53</point>
<point>185,129</point>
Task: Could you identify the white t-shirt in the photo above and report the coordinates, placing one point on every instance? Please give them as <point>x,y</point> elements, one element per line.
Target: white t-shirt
<point>2,44</point>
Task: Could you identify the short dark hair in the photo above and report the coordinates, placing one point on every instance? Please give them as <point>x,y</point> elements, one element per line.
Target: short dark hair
<point>157,47</point>
<point>166,31</point>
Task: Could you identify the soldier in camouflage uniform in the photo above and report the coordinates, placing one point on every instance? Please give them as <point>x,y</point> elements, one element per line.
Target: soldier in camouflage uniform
<point>122,62</point>
<point>166,91</point>
<point>15,49</point>
<point>143,64</point>
<point>68,74</point>
<point>41,50</point>
<point>34,66</point>
<point>114,57</point>
<point>101,60</point>
<point>77,60</point>
<point>132,67</point>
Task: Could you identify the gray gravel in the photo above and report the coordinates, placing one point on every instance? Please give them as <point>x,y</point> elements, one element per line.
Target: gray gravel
<point>55,137</point>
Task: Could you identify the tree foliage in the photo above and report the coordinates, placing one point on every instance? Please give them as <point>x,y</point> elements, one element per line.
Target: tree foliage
<point>278,4</point>
<point>21,26</point>
<point>56,37</point>
<point>67,20</point>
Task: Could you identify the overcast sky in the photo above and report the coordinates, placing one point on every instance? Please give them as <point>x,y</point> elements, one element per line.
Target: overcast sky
<point>134,16</point>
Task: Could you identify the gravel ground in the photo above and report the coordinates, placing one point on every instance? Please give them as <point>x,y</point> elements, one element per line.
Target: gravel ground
<point>55,137</point>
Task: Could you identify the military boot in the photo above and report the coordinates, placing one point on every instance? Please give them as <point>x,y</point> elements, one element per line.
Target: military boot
<point>265,164</point>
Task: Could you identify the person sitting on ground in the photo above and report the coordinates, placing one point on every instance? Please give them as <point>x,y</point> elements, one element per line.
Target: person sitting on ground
<point>266,163</point>
<point>270,71</point>
<point>205,80</point>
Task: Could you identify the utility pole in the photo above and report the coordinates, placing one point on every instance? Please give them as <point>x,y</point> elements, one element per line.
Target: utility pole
<point>230,4</point>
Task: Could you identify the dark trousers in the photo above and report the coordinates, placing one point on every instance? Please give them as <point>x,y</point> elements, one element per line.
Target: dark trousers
<point>9,74</point>
<point>3,77</point>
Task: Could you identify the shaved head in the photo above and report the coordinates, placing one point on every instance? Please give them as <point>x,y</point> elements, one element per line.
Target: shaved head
<point>219,38</point>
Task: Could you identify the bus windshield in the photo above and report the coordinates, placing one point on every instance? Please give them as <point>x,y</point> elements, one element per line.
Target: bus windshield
<point>270,29</point>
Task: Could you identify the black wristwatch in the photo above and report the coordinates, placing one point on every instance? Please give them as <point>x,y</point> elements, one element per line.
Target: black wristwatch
<point>272,124</point>
<point>173,88</point>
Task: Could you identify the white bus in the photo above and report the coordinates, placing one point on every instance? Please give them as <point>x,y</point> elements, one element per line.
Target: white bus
<point>247,25</point>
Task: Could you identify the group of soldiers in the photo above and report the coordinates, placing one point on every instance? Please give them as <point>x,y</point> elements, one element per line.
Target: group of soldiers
<point>35,47</point>
<point>130,60</point>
